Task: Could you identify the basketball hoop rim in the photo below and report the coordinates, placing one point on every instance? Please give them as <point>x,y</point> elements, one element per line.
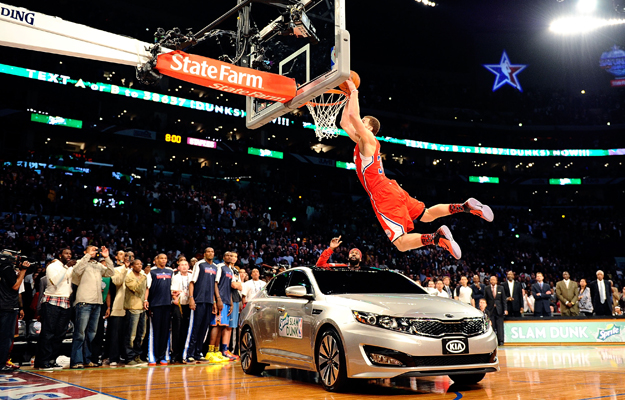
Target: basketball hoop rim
<point>329,91</point>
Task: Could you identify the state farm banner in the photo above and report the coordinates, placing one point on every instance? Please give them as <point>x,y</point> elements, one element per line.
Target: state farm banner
<point>226,77</point>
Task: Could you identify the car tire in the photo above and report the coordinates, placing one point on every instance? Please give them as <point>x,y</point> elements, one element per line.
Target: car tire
<point>249,362</point>
<point>467,379</point>
<point>331,365</point>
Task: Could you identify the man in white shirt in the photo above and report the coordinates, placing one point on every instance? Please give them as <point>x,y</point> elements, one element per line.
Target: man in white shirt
<point>55,311</point>
<point>464,293</point>
<point>440,289</point>
<point>253,286</point>
<point>181,312</point>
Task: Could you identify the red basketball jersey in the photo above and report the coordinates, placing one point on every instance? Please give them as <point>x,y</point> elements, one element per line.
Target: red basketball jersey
<point>369,169</point>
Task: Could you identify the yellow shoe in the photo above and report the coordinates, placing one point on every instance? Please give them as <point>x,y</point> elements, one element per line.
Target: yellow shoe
<point>215,358</point>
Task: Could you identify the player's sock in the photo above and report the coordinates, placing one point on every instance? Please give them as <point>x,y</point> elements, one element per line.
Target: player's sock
<point>224,347</point>
<point>456,208</point>
<point>427,239</point>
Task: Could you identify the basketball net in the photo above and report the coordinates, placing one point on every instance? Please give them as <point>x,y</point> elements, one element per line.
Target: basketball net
<point>324,110</point>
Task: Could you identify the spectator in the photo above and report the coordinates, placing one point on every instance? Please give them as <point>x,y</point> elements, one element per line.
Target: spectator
<point>601,292</point>
<point>528,301</point>
<point>115,333</point>
<point>203,299</point>
<point>158,299</point>
<point>496,306</point>
<point>220,322</point>
<point>464,293</point>
<point>514,295</point>
<point>87,275</point>
<point>478,289</point>
<point>10,283</point>
<point>542,295</point>
<point>98,349</point>
<point>621,301</point>
<point>447,287</point>
<point>135,306</point>
<point>181,312</point>
<point>440,289</point>
<point>253,286</point>
<point>55,311</point>
<point>568,293</point>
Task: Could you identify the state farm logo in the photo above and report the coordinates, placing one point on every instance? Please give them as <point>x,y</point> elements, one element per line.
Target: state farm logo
<point>455,346</point>
<point>222,72</point>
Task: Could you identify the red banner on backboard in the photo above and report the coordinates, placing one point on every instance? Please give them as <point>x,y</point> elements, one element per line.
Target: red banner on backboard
<point>226,77</point>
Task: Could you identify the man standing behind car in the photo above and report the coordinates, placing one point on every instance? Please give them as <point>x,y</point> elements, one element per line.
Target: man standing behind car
<point>55,310</point>
<point>9,304</point>
<point>87,275</point>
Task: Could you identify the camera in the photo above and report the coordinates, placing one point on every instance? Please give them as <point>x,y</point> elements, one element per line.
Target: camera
<point>13,258</point>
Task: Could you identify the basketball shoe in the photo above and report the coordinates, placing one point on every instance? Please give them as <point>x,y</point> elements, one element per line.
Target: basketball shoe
<point>444,239</point>
<point>472,206</point>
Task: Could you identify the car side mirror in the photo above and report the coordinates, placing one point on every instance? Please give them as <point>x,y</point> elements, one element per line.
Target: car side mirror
<point>298,291</point>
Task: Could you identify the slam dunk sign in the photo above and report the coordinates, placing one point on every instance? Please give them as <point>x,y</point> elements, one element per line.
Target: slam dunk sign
<point>290,327</point>
<point>565,332</point>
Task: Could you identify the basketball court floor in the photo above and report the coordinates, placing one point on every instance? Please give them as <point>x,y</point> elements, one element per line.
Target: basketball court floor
<point>571,373</point>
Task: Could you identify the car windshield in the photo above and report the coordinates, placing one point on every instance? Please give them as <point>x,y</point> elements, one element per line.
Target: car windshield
<point>345,281</point>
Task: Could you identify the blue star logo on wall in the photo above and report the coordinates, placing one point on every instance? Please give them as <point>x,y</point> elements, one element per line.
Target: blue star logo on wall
<point>505,73</point>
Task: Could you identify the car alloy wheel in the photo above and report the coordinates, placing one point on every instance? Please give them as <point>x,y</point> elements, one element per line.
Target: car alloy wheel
<point>331,362</point>
<point>248,354</point>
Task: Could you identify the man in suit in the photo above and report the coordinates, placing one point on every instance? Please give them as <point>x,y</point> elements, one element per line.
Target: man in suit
<point>478,290</point>
<point>601,293</point>
<point>542,295</point>
<point>567,293</point>
<point>514,295</point>
<point>496,306</point>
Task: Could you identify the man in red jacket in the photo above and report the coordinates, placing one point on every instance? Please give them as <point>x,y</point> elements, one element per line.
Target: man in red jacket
<point>355,257</point>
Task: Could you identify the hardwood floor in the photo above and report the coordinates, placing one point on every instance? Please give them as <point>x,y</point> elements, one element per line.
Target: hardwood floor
<point>571,373</point>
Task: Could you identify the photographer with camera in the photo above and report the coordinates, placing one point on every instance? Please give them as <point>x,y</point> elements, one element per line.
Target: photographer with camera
<point>87,275</point>
<point>10,283</point>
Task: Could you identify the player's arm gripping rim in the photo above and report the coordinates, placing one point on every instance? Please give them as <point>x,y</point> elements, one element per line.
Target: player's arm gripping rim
<point>365,138</point>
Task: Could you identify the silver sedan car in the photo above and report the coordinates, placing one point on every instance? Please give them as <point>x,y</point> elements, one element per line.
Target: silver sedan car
<point>364,324</point>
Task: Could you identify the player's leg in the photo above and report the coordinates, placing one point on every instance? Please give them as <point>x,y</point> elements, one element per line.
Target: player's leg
<point>442,237</point>
<point>471,206</point>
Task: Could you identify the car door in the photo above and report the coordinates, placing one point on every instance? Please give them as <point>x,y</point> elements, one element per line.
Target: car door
<point>295,320</point>
<point>266,314</point>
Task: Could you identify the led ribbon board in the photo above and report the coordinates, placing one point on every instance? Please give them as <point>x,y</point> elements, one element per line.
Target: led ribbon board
<point>60,121</point>
<point>449,148</point>
<point>235,112</point>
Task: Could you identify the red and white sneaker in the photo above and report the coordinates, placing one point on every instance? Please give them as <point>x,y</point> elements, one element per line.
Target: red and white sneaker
<point>474,207</point>
<point>228,354</point>
<point>444,239</point>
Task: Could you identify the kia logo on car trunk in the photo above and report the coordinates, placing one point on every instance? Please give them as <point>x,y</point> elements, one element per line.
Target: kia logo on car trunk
<point>455,346</point>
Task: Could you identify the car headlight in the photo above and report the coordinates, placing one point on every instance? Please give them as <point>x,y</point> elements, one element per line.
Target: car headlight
<point>384,321</point>
<point>486,322</point>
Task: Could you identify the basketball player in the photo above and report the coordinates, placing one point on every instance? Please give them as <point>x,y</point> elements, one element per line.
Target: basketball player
<point>393,206</point>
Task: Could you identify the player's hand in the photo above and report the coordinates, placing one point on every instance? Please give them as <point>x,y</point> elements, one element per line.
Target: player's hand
<point>104,251</point>
<point>107,313</point>
<point>351,86</point>
<point>505,312</point>
<point>192,303</point>
<point>548,292</point>
<point>230,311</point>
<point>21,316</point>
<point>335,242</point>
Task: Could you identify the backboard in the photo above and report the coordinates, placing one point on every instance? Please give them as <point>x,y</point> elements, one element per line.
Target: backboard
<point>316,56</point>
